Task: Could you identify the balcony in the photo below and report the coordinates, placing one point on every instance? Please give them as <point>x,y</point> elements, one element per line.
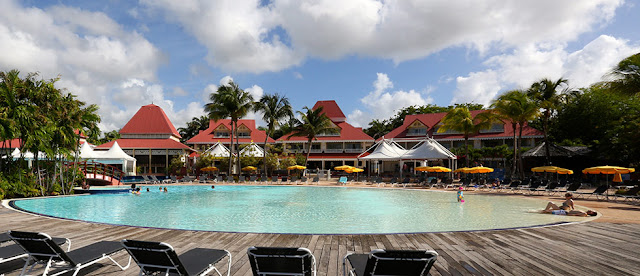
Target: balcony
<point>353,150</point>
<point>316,150</point>
<point>333,150</point>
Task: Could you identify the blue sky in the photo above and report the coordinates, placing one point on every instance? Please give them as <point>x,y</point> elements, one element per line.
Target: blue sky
<point>373,57</point>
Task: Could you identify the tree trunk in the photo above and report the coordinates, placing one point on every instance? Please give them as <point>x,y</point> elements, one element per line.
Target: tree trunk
<point>545,127</point>
<point>306,160</point>
<point>264,158</point>
<point>238,147</point>
<point>519,151</point>
<point>515,151</point>
<point>466,150</point>
<point>231,151</point>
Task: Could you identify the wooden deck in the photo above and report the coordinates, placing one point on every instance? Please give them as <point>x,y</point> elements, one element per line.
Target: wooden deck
<point>590,248</point>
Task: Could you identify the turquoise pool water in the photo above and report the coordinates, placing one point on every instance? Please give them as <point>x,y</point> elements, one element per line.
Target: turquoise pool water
<point>297,209</point>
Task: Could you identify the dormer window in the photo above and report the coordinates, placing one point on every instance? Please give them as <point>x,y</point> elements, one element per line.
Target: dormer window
<point>495,128</point>
<point>330,132</point>
<point>243,132</point>
<point>221,134</point>
<point>450,131</point>
<point>417,128</point>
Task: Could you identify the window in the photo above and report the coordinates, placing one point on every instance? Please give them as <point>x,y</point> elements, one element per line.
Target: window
<point>330,132</point>
<point>497,127</point>
<point>244,134</point>
<point>417,131</point>
<point>221,134</point>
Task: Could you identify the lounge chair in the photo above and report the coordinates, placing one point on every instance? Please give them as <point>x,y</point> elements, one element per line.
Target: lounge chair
<point>294,180</point>
<point>253,179</point>
<point>159,258</point>
<point>629,194</point>
<point>170,179</point>
<point>146,180</point>
<point>393,181</point>
<point>390,262</point>
<point>230,179</point>
<point>281,261</point>
<point>533,187</point>
<point>600,191</point>
<point>14,251</point>
<point>203,179</point>
<point>42,249</point>
<point>406,181</point>
<point>219,179</point>
<point>342,180</point>
<point>315,180</point>
<point>304,180</point>
<point>154,179</point>
<point>283,180</point>
<point>264,179</point>
<point>512,186</point>
<point>379,182</point>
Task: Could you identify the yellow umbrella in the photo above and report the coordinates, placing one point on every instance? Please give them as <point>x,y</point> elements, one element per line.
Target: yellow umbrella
<point>343,167</point>
<point>433,169</point>
<point>617,177</point>
<point>249,168</point>
<point>564,171</point>
<point>608,170</point>
<point>545,169</point>
<point>209,169</point>
<point>354,170</point>
<point>463,170</point>
<point>296,167</point>
<point>480,170</point>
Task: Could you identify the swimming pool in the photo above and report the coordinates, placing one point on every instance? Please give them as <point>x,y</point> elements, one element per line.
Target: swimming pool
<point>297,209</point>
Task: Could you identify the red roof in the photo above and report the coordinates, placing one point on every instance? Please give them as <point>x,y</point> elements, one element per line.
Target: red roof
<point>127,143</point>
<point>347,133</point>
<point>431,120</point>
<point>331,109</point>
<point>9,144</point>
<point>207,136</point>
<point>150,119</point>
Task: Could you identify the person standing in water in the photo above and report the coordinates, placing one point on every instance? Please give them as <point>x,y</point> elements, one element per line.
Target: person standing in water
<point>461,195</point>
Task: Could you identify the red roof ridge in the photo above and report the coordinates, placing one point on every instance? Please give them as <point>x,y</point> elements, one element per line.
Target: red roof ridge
<point>150,119</point>
<point>331,109</point>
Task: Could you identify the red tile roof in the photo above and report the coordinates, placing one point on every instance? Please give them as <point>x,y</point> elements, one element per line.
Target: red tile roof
<point>127,143</point>
<point>430,120</point>
<point>347,133</point>
<point>207,136</point>
<point>150,119</point>
<point>331,109</point>
<point>9,144</point>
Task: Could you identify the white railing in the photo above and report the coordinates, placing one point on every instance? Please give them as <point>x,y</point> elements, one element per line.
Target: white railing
<point>316,150</point>
<point>353,150</point>
<point>333,150</point>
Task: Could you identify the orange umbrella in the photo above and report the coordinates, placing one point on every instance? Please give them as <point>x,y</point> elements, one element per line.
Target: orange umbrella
<point>617,178</point>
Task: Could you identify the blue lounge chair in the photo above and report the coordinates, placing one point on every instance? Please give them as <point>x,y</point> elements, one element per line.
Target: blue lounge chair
<point>342,180</point>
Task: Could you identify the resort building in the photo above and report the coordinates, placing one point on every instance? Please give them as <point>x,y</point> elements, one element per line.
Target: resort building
<point>341,146</point>
<point>416,127</point>
<point>220,132</point>
<point>151,139</point>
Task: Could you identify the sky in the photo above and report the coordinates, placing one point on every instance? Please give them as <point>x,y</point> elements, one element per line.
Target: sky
<point>373,57</point>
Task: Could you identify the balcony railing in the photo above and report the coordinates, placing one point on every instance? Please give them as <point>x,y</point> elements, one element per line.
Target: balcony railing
<point>333,150</point>
<point>316,150</point>
<point>353,150</point>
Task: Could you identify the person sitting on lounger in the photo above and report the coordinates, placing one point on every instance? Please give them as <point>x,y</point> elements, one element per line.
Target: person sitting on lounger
<point>566,206</point>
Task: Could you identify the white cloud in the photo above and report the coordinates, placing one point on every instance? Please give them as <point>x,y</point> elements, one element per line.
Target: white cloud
<point>381,104</point>
<point>255,91</point>
<point>249,36</point>
<point>178,91</point>
<point>224,81</point>
<point>297,75</point>
<point>96,58</point>
<point>530,63</point>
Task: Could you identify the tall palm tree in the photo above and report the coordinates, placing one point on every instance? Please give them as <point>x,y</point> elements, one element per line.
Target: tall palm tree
<point>274,108</point>
<point>627,76</point>
<point>545,93</point>
<point>229,101</point>
<point>517,108</point>
<point>313,123</point>
<point>459,119</point>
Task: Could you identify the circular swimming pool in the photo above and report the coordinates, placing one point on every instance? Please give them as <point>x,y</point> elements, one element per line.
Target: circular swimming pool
<point>297,209</point>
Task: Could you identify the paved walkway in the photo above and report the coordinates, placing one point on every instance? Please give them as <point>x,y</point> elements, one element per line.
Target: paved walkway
<point>591,248</point>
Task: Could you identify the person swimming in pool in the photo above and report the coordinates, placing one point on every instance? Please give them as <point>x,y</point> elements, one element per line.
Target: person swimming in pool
<point>566,206</point>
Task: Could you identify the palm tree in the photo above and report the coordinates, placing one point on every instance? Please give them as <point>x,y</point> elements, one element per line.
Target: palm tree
<point>545,93</point>
<point>459,119</point>
<point>516,107</point>
<point>230,102</point>
<point>274,108</point>
<point>627,76</point>
<point>313,123</point>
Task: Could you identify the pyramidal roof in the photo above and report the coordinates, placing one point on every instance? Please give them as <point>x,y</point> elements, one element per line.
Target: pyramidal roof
<point>150,119</point>
<point>332,110</point>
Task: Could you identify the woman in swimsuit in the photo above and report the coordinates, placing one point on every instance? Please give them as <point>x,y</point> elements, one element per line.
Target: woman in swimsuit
<point>566,206</point>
